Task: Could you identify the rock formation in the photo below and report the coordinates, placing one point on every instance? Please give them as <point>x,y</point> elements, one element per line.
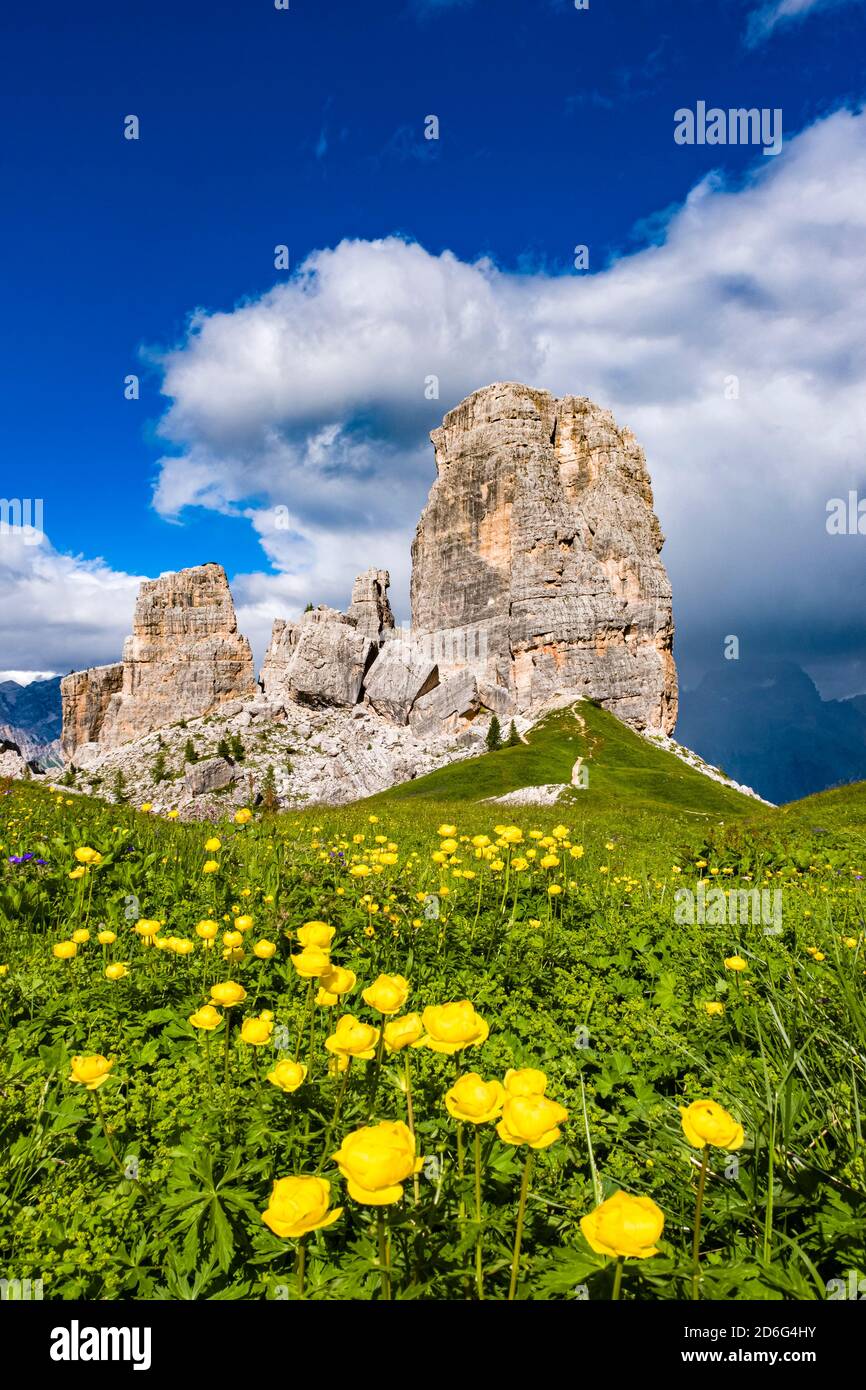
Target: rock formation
<point>537,558</point>
<point>184,659</point>
<point>320,660</point>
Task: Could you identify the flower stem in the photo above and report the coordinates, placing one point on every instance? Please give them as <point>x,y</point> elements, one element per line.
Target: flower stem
<point>341,1094</point>
<point>410,1117</point>
<point>479,1267</point>
<point>300,1261</point>
<point>303,1027</point>
<point>617,1280</point>
<point>384,1255</point>
<point>696,1240</point>
<point>228,1018</point>
<point>521,1213</point>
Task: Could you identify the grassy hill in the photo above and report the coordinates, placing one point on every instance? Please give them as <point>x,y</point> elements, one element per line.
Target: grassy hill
<point>626,773</point>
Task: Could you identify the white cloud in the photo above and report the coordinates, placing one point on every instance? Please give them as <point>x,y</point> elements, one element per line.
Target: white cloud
<point>313,397</point>
<point>60,612</point>
<point>767,17</point>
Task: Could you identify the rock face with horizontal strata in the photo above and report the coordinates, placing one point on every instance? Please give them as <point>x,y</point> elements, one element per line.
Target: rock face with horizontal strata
<point>540,545</point>
<point>184,659</point>
<point>320,660</point>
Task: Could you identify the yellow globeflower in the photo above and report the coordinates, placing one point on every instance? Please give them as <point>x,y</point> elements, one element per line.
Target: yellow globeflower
<point>243,816</point>
<point>707,1122</point>
<point>446,847</point>
<point>449,1027</point>
<point>207,1018</point>
<point>106,938</point>
<point>86,855</point>
<point>387,994</point>
<point>352,1038</point>
<point>403,1032</point>
<point>316,934</point>
<point>714,1009</point>
<point>360,870</point>
<point>181,946</point>
<point>736,963</point>
<point>213,844</point>
<point>532,1120</point>
<point>624,1227</point>
<point>116,971</point>
<point>206,929</point>
<point>233,938</point>
<point>210,866</point>
<point>525,1081</point>
<point>257,1031</point>
<point>475,1100</point>
<point>447,831</point>
<point>79,872</point>
<point>243,924</point>
<point>376,1160</point>
<point>64,950</point>
<point>81,936</point>
<point>287,1075</point>
<point>90,1071</point>
<point>325,999</point>
<point>147,926</point>
<point>264,949</point>
<point>338,981</point>
<point>227,993</point>
<point>311,963</point>
<point>298,1206</point>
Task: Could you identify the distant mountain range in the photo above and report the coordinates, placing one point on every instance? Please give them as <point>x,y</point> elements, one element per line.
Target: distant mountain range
<point>765,724</point>
<point>30,715</point>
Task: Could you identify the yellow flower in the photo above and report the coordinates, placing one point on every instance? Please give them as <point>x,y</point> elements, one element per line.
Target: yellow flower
<point>532,1120</point>
<point>243,816</point>
<point>4,970</point>
<point>80,936</point>
<point>298,1206</point>
<point>212,845</point>
<point>206,1018</point>
<point>64,950</point>
<point>311,963</point>
<point>360,870</point>
<point>714,1009</point>
<point>446,847</point>
<point>106,938</point>
<point>90,1071</point>
<point>706,1122</point>
<point>403,1032</point>
<point>624,1227</point>
<point>449,1027</point>
<point>736,963</point>
<point>264,949</point>
<point>351,1038</point>
<point>227,993</point>
<point>147,926</point>
<point>210,866</point>
<point>232,938</point>
<point>447,831</point>
<point>325,999</point>
<point>146,806</point>
<point>173,815</point>
<point>287,1075</point>
<point>376,1160</point>
<point>207,929</point>
<point>243,924</point>
<point>116,971</point>
<point>338,981</point>
<point>475,1100</point>
<point>337,1064</point>
<point>316,934</point>
<point>257,1031</point>
<point>79,872</point>
<point>526,1081</point>
<point>549,861</point>
<point>387,994</point>
<point>86,855</point>
<point>555,889</point>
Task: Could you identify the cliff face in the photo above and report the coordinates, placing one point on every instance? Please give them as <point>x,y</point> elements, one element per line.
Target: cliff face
<point>536,559</point>
<point>184,659</point>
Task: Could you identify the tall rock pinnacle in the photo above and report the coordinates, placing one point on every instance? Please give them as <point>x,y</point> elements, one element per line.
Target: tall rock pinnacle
<point>536,560</point>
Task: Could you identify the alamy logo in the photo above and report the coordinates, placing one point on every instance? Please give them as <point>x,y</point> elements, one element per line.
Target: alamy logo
<point>76,1343</point>
<point>846,517</point>
<point>853,1288</point>
<point>721,907</point>
<point>737,126</point>
<point>20,1290</point>
<point>22,516</point>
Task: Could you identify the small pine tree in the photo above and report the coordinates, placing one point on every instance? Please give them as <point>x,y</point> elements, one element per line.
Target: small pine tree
<point>238,751</point>
<point>309,608</point>
<point>513,736</point>
<point>159,771</point>
<point>494,735</point>
<point>189,753</point>
<point>118,787</point>
<point>68,778</point>
<point>223,750</point>
<point>270,802</point>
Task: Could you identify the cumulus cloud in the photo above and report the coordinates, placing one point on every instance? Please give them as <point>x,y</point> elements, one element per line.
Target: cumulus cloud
<point>768,17</point>
<point>60,612</point>
<point>733,349</point>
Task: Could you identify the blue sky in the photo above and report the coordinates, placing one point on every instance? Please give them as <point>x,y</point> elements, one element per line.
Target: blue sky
<point>305,127</point>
